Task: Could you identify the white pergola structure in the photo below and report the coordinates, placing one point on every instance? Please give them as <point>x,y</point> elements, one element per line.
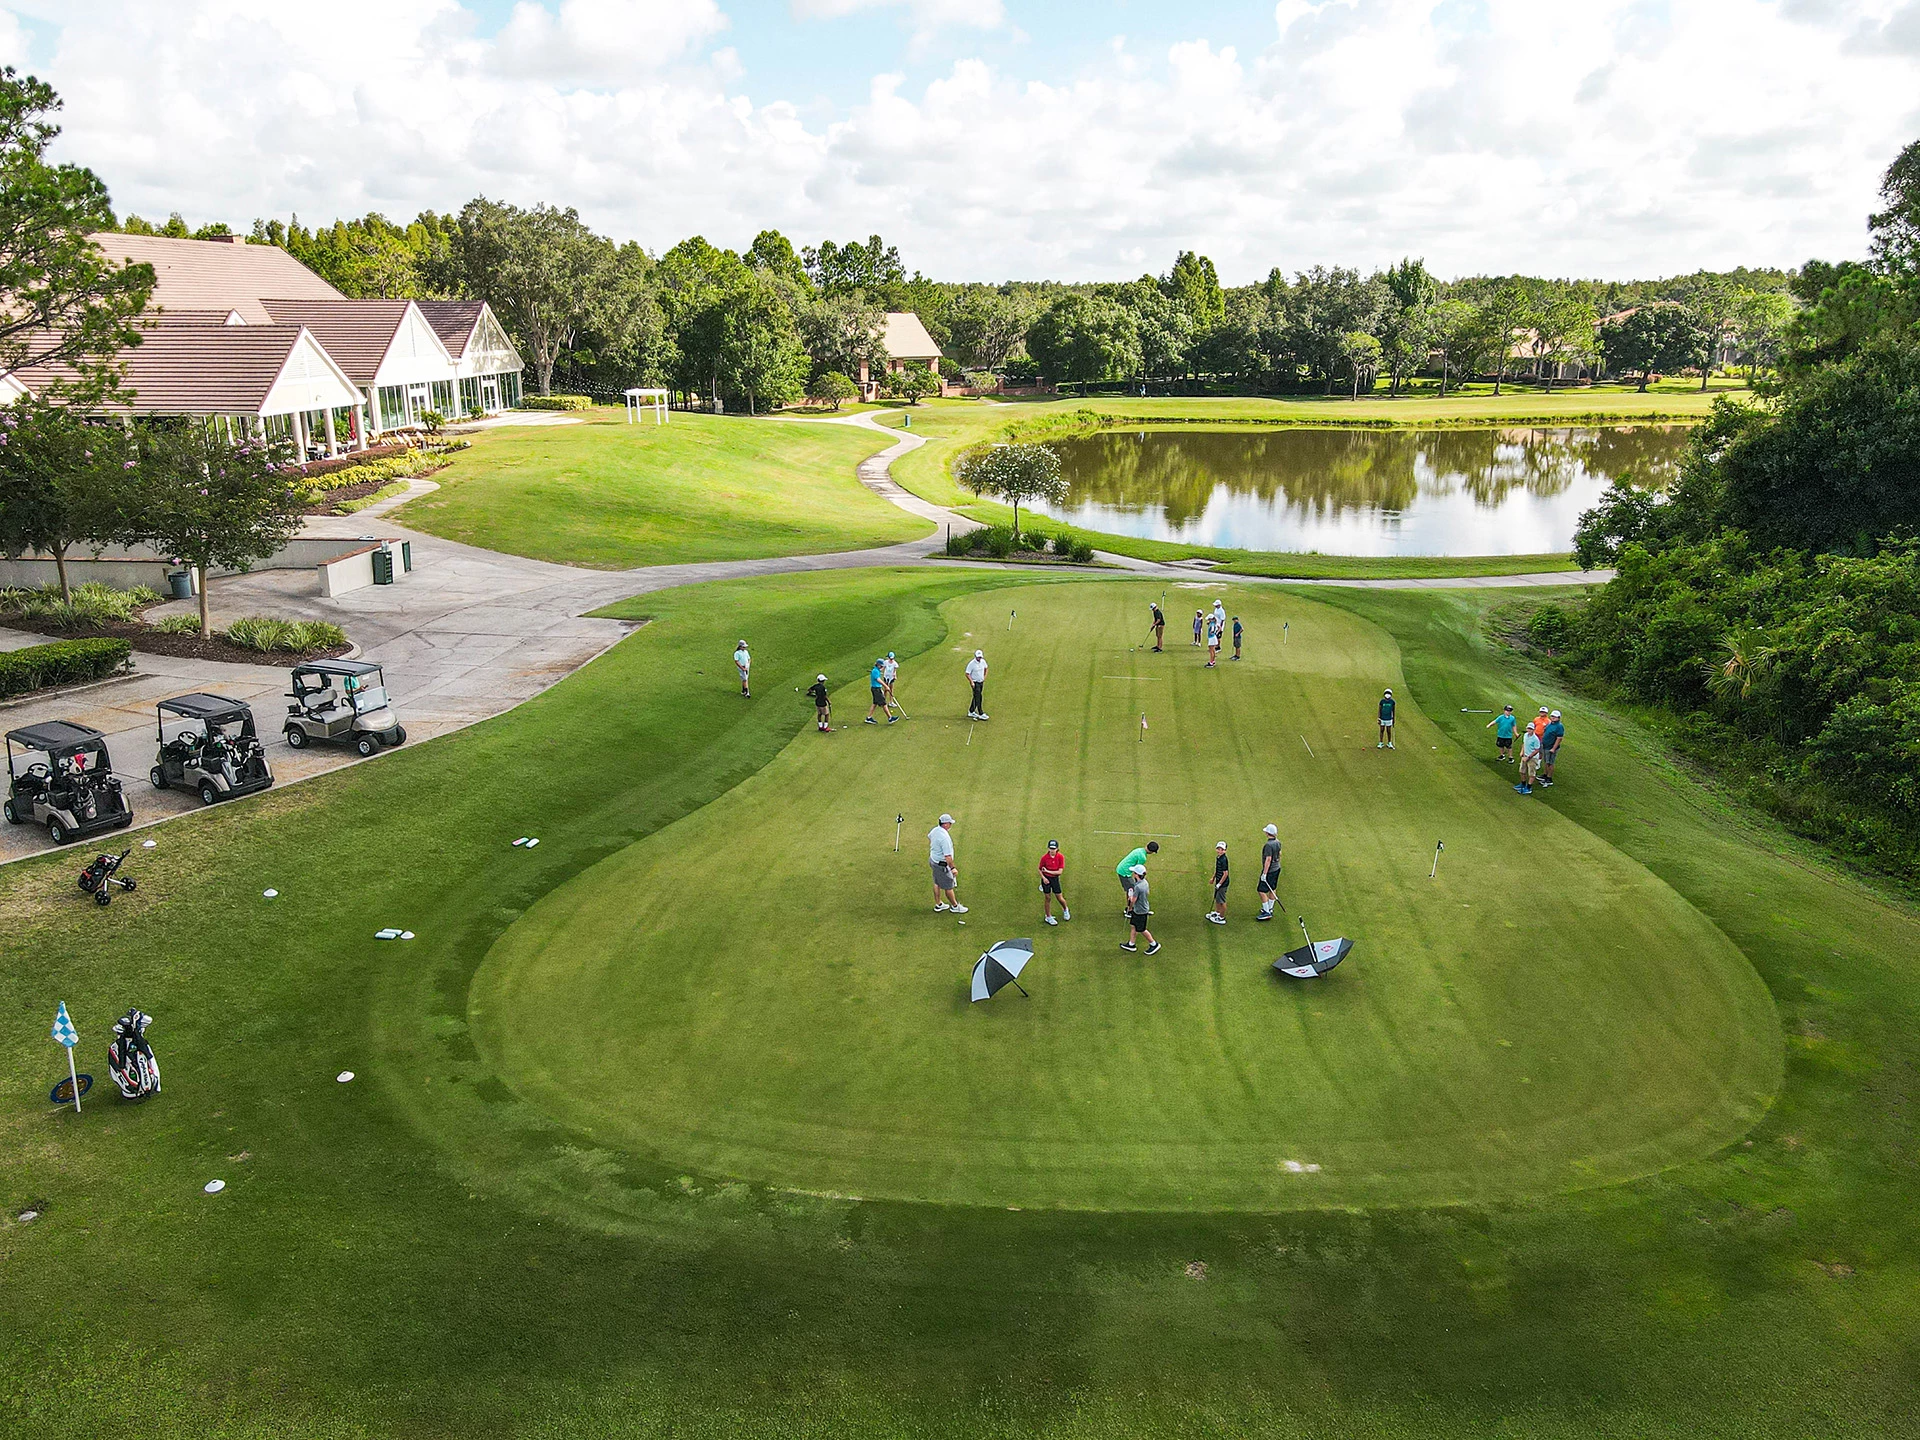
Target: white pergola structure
<point>639,400</point>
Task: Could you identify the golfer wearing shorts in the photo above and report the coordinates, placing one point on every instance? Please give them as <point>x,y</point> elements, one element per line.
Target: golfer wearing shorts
<point>1386,722</point>
<point>1199,620</point>
<point>1550,739</point>
<point>1136,857</point>
<point>1268,887</point>
<point>940,860</point>
<point>743,662</point>
<point>1052,866</point>
<point>1237,632</point>
<point>822,709</point>
<point>1213,641</point>
<point>1529,759</point>
<point>889,671</point>
<point>1503,725</point>
<point>977,677</point>
<point>1137,913</point>
<point>1218,915</point>
<point>877,693</point>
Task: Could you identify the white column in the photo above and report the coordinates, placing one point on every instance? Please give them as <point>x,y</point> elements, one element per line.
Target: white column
<point>333,440</point>
<point>300,435</point>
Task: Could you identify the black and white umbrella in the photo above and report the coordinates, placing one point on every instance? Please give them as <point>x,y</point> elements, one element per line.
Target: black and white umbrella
<point>999,966</point>
<point>1313,959</point>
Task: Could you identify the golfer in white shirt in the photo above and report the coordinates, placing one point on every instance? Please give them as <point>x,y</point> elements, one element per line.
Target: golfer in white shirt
<point>940,860</point>
<point>977,674</point>
<point>743,662</point>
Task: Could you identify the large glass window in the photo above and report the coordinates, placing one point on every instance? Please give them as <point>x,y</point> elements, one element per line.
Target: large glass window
<point>469,394</point>
<point>443,397</point>
<point>510,388</point>
<point>393,406</point>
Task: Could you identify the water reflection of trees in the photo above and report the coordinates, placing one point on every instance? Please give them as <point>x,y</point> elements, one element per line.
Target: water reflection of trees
<point>1329,471</point>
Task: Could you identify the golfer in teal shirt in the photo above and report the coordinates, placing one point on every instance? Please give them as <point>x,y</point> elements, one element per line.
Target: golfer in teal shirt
<point>1503,726</point>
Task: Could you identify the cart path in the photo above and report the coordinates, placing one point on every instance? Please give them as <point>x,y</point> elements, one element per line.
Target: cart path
<point>471,633</point>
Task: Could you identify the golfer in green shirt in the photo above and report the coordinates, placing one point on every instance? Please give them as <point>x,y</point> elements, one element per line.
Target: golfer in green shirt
<point>1136,856</point>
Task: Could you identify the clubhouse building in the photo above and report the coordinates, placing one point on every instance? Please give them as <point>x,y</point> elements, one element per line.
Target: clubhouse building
<point>247,339</point>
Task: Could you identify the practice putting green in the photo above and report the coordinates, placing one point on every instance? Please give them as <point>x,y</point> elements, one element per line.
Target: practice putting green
<point>762,991</point>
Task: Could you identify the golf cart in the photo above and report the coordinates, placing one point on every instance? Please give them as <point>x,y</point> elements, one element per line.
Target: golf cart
<point>215,750</point>
<point>358,713</point>
<point>72,791</point>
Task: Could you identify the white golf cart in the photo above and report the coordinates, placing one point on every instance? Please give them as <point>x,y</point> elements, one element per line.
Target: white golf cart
<point>213,749</point>
<point>341,702</point>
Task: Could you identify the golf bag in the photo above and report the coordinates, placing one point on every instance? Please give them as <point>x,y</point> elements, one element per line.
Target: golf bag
<point>130,1058</point>
<point>102,873</point>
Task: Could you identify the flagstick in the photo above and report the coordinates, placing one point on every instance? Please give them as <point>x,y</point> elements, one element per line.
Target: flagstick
<point>1438,846</point>
<point>1143,728</point>
<point>1310,754</point>
<point>898,821</point>
<point>969,733</point>
<point>1010,615</point>
<point>75,1078</point>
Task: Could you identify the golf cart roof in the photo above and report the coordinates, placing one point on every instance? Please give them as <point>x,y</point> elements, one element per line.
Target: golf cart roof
<point>210,708</point>
<point>338,667</point>
<point>53,735</point>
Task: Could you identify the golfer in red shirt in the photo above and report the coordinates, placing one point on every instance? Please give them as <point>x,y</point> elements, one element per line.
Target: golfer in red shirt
<point>1052,866</point>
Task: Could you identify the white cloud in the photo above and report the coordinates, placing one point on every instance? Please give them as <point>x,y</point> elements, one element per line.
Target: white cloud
<point>1614,140</point>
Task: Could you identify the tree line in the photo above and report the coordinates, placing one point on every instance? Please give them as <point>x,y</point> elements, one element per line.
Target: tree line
<point>1771,596</point>
<point>764,326</point>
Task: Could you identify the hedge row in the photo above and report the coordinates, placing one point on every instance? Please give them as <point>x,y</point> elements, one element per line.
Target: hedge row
<point>403,466</point>
<point>64,662</point>
<point>556,402</point>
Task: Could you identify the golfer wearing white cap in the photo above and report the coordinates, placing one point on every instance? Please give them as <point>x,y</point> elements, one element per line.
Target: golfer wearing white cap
<point>977,675</point>
<point>945,877</point>
<point>743,662</point>
<point>1386,722</point>
<point>1268,887</point>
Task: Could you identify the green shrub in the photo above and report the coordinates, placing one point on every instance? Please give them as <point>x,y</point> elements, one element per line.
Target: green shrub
<point>961,544</point>
<point>177,625</point>
<point>1082,552</point>
<point>1063,544</point>
<point>64,662</point>
<point>261,632</point>
<point>556,402</point>
<point>385,492</point>
<point>1552,628</point>
<point>997,541</point>
<point>1033,540</point>
<point>94,603</point>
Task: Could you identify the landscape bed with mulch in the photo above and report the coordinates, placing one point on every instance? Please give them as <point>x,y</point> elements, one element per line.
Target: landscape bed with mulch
<point>186,647</point>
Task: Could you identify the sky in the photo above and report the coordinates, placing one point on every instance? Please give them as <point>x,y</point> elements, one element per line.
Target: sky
<point>1000,139</point>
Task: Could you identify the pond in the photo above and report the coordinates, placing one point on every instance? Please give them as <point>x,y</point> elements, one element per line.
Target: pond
<point>1358,492</point>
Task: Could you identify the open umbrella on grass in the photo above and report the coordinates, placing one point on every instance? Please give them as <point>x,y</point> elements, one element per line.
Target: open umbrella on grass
<point>999,966</point>
<point>1313,959</point>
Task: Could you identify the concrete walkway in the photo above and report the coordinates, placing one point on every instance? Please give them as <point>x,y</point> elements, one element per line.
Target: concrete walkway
<point>471,633</point>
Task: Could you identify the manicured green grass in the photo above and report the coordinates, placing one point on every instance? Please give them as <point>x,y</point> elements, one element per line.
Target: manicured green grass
<point>610,495</point>
<point>824,1041</point>
<point>424,1253</point>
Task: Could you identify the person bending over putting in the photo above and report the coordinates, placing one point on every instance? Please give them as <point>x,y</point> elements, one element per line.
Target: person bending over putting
<point>1218,915</point>
<point>1268,887</point>
<point>1137,912</point>
<point>1503,725</point>
<point>1386,722</point>
<point>946,878</point>
<point>822,707</point>
<point>743,662</point>
<point>977,677</point>
<point>1052,866</point>
<point>877,693</point>
<point>1136,856</point>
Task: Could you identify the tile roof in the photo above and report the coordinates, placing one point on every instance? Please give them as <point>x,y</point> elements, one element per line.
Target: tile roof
<point>452,321</point>
<point>356,333</point>
<point>906,338</point>
<point>187,369</point>
<point>217,275</point>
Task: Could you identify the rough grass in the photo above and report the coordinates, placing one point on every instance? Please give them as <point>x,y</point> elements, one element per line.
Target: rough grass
<point>422,1254</point>
<point>609,495</point>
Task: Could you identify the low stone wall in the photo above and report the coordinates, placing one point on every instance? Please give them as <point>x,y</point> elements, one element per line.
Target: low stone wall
<point>339,564</point>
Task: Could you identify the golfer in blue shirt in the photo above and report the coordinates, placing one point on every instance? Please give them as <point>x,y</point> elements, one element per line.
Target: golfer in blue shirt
<point>877,692</point>
<point>1503,726</point>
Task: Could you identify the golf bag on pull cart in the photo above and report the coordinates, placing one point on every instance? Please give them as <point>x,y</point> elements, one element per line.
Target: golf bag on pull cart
<point>130,1058</point>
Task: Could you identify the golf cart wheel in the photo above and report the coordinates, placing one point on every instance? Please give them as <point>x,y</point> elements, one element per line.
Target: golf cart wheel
<point>56,832</point>
<point>158,777</point>
<point>366,745</point>
<point>103,896</point>
<point>399,735</point>
<point>13,817</point>
<point>208,794</point>
<point>296,738</point>
<point>129,885</point>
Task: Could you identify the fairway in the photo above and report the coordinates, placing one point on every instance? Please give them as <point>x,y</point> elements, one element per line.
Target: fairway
<point>609,495</point>
<point>761,991</point>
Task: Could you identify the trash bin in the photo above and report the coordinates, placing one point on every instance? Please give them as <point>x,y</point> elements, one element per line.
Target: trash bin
<point>383,566</point>
<point>180,584</point>
<point>406,557</point>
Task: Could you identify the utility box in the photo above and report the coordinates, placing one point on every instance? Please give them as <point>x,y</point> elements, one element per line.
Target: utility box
<point>383,566</point>
<point>406,557</point>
